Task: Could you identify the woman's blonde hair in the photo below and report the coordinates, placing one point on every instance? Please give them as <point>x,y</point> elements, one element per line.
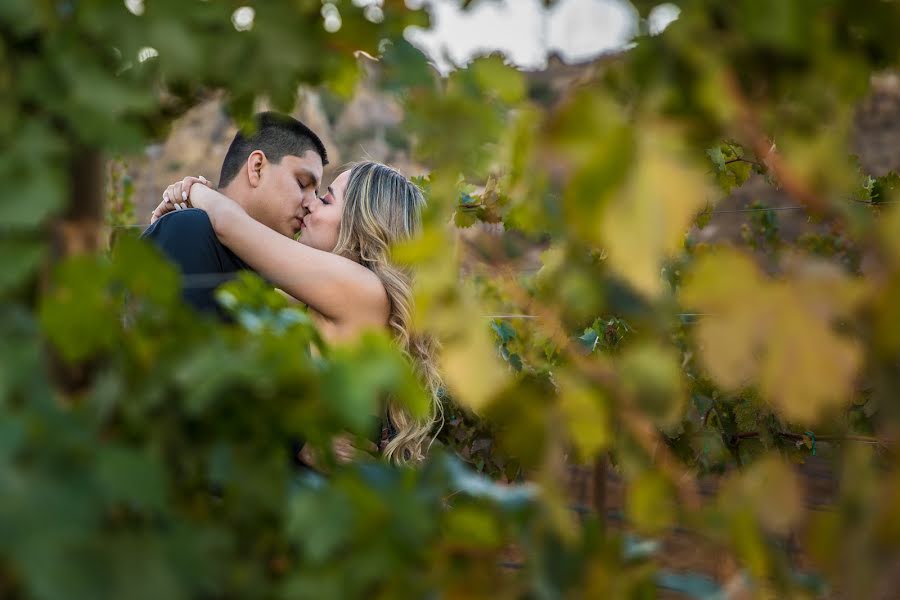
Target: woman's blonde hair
<point>382,207</point>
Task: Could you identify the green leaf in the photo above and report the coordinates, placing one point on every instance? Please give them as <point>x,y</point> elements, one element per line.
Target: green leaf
<point>320,523</point>
<point>21,355</point>
<point>652,374</point>
<point>404,67</point>
<point>593,136</point>
<point>473,485</point>
<point>504,331</point>
<point>136,478</point>
<point>703,218</point>
<point>209,372</point>
<point>81,315</point>
<point>471,526</point>
<point>20,258</point>
<point>507,82</point>
<point>589,339</point>
<point>465,218</point>
<point>883,188</point>
<point>143,270</point>
<point>27,200</point>
<point>362,375</point>
<point>717,157</point>
<point>692,585</point>
<point>12,437</point>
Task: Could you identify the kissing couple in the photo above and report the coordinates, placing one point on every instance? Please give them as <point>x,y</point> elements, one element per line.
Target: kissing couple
<point>339,266</point>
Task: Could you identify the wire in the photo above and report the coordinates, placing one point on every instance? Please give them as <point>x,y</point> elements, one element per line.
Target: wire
<point>754,209</point>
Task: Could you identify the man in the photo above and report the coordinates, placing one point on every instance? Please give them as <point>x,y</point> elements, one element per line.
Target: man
<point>270,173</point>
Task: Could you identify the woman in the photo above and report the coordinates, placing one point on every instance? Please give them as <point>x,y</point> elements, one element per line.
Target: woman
<point>340,268</point>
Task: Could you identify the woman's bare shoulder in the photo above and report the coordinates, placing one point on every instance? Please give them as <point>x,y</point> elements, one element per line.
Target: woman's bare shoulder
<point>375,304</point>
<point>364,301</point>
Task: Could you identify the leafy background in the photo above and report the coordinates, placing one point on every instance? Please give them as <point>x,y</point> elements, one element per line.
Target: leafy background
<point>605,314</point>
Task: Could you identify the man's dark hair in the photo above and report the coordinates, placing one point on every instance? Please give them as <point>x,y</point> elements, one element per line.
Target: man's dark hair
<point>277,135</point>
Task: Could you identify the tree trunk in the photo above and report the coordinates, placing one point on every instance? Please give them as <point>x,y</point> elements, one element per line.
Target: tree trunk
<point>81,227</point>
<point>79,230</point>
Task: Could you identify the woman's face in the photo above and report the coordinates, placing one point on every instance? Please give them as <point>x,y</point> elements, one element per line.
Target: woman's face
<point>319,227</point>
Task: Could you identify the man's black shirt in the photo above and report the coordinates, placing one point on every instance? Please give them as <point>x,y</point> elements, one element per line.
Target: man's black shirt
<point>187,238</point>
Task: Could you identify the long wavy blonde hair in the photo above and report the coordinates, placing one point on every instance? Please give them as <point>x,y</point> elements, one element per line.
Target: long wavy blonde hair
<point>381,208</point>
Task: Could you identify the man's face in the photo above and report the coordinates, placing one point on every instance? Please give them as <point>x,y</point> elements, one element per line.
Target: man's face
<point>284,188</point>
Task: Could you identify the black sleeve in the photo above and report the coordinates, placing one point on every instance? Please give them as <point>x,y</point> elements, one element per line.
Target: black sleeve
<point>187,238</point>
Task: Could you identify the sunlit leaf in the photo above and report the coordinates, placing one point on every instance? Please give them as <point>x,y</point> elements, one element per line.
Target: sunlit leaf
<point>471,526</point>
<point>650,503</point>
<point>472,368</point>
<point>779,335</point>
<point>770,490</point>
<point>587,418</point>
<point>647,221</point>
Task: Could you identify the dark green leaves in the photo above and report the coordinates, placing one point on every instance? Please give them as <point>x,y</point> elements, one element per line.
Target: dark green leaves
<point>730,167</point>
<point>79,319</point>
<point>132,478</point>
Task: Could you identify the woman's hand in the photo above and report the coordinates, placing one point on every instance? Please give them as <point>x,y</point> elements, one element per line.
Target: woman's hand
<point>177,196</point>
<point>345,452</point>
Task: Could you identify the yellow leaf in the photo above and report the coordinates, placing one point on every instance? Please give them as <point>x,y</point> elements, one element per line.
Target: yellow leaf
<point>808,369</point>
<point>647,221</point>
<point>769,488</point>
<point>750,544</point>
<point>779,335</point>
<point>819,160</point>
<point>471,526</point>
<point>552,260</point>
<point>718,278</point>
<point>430,246</point>
<point>471,368</point>
<point>826,291</point>
<point>650,503</point>
<point>729,343</point>
<point>587,416</point>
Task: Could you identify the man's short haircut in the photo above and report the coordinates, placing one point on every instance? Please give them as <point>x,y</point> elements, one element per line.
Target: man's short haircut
<point>277,135</point>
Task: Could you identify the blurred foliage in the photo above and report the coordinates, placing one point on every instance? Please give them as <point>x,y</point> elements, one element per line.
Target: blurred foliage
<point>144,451</point>
<point>119,195</point>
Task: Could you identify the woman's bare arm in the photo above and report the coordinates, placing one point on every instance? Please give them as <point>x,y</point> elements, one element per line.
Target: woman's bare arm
<point>338,288</point>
